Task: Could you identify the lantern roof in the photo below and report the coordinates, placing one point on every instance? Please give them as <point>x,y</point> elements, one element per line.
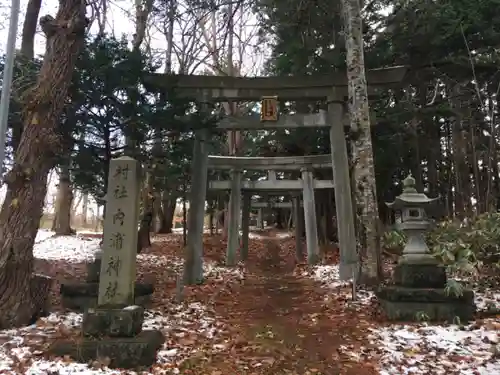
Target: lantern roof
<point>410,197</point>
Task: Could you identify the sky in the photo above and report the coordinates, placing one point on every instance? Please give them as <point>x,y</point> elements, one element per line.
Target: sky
<point>120,21</point>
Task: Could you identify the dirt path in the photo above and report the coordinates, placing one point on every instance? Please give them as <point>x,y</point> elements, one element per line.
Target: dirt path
<point>282,324</point>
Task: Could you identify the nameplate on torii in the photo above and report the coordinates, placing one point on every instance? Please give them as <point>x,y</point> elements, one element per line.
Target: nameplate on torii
<point>269,108</point>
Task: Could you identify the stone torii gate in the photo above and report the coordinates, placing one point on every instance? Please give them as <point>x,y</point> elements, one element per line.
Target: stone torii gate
<point>330,88</point>
<point>306,164</point>
<point>261,206</point>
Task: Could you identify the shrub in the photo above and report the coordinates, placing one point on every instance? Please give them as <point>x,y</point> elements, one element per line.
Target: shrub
<point>460,247</point>
<point>394,241</point>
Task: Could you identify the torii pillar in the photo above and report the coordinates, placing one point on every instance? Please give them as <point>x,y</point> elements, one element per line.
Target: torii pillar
<point>343,197</point>
<point>310,216</point>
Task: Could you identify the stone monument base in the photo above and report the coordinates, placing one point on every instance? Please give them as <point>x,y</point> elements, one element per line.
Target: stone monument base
<point>420,275</point>
<point>113,321</point>
<point>123,352</point>
<point>414,304</point>
<point>81,296</point>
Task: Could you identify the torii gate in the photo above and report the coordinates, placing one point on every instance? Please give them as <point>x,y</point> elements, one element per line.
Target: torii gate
<point>332,88</point>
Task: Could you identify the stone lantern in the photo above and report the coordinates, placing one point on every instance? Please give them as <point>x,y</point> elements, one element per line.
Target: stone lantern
<point>419,291</point>
<point>414,224</point>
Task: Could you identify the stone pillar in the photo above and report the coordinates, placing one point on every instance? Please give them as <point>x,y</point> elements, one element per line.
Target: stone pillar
<point>114,328</point>
<point>343,196</point>
<point>117,276</point>
<point>297,222</point>
<point>234,218</point>
<point>260,218</point>
<point>310,216</point>
<point>81,297</point>
<point>193,262</point>
<point>245,225</point>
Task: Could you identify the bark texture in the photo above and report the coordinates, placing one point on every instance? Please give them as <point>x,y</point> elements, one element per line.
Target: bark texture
<point>168,205</point>
<point>35,156</point>
<point>362,154</point>
<point>29,29</point>
<point>24,59</point>
<point>143,239</point>
<point>62,219</point>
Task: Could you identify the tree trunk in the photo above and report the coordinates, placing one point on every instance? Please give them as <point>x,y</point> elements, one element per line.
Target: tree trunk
<point>330,213</point>
<point>25,57</point>
<point>167,213</point>
<point>279,218</point>
<point>29,29</point>
<point>212,209</point>
<point>145,228</point>
<point>447,187</point>
<point>364,171</point>
<point>219,215</point>
<point>433,156</point>
<point>463,205</point>
<point>34,158</point>
<point>85,208</point>
<point>184,216</point>
<point>225,223</point>
<point>62,219</point>
<point>142,12</point>
<point>155,225</point>
<point>492,178</point>
<point>143,239</point>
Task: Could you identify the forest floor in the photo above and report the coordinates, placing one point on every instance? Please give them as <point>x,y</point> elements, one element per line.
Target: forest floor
<point>267,316</point>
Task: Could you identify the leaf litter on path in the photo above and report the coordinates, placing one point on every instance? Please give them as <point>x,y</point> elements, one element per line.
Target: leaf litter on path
<point>269,316</point>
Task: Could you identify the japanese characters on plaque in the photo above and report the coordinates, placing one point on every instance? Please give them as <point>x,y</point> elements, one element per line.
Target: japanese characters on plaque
<point>269,108</point>
<point>118,267</point>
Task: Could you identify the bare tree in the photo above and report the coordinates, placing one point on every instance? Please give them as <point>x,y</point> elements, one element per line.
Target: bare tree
<point>212,39</point>
<point>221,41</point>
<point>99,9</point>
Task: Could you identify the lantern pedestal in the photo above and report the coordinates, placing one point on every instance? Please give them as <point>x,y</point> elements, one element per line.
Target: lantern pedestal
<point>419,293</point>
<point>424,275</point>
<point>413,304</point>
<point>419,289</point>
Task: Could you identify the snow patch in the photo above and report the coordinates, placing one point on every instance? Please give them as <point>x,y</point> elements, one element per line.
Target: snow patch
<point>42,235</point>
<point>67,368</point>
<point>257,235</point>
<point>186,328</point>
<point>176,265</point>
<point>69,248</point>
<point>75,250</point>
<point>487,300</point>
<point>89,233</point>
<point>328,275</point>
<point>436,349</point>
